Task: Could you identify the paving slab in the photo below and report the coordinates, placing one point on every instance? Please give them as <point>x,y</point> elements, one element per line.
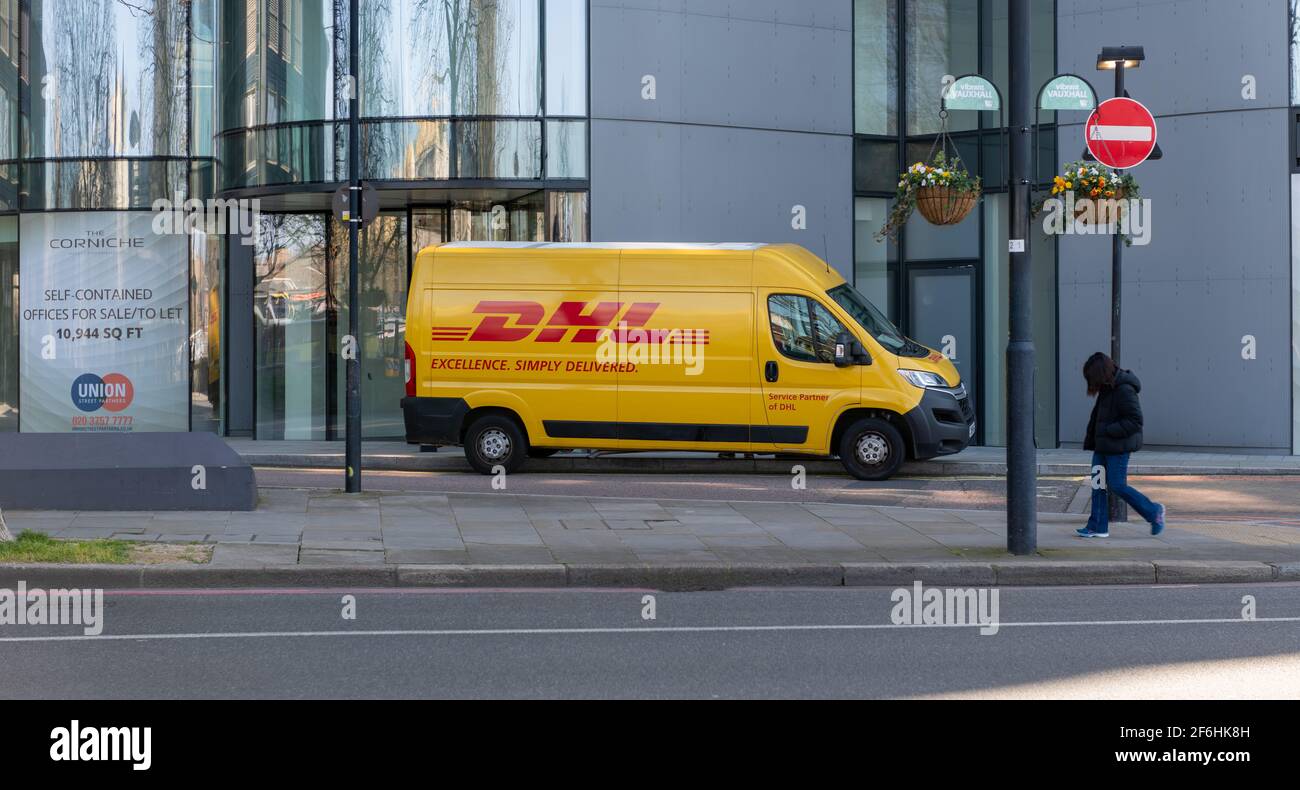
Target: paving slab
<point>322,529</point>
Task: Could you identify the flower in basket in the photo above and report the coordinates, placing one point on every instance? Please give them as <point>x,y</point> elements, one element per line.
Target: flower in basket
<point>1097,191</point>
<point>943,190</point>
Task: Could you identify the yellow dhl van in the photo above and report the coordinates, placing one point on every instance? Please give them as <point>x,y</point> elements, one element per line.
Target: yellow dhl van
<point>518,349</point>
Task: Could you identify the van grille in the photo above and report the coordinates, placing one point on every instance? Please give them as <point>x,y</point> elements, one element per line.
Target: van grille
<point>967,411</point>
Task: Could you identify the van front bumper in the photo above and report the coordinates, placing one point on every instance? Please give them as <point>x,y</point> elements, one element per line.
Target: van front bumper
<point>943,422</point>
<point>434,420</point>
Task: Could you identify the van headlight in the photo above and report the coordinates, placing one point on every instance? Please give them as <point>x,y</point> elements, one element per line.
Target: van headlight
<point>923,378</point>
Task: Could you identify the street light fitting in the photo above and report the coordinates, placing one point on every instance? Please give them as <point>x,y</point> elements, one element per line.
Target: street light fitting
<point>1111,57</point>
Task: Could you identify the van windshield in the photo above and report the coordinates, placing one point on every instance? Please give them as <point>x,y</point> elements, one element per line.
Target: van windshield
<point>871,319</point>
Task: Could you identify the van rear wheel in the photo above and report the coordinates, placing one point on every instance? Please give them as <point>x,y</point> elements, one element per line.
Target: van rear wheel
<point>872,449</point>
<point>495,441</point>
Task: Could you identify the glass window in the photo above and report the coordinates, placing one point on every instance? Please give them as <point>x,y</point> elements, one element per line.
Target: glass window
<point>875,262</point>
<point>9,312</point>
<point>1295,311</point>
<point>926,242</point>
<point>102,183</point>
<point>875,66</point>
<point>428,227</point>
<point>875,165</point>
<point>1295,51</point>
<point>567,216</point>
<point>518,220</point>
<point>290,75</point>
<point>802,329</point>
<point>498,149</point>
<point>382,300</point>
<point>109,78</point>
<point>452,57</point>
<point>1042,251</point>
<point>566,149</point>
<point>203,41</point>
<point>206,289</point>
<point>942,41</point>
<point>290,313</point>
<point>566,57</point>
<point>406,149</point>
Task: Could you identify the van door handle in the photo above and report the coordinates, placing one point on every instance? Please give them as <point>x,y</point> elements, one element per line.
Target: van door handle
<point>770,371</point>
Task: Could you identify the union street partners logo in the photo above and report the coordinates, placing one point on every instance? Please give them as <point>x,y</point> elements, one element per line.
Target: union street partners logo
<point>112,393</point>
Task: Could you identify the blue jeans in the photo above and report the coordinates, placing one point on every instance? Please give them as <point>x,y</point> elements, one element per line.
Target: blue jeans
<point>1117,480</point>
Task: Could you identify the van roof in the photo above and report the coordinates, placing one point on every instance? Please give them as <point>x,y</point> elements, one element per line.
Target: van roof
<point>605,245</point>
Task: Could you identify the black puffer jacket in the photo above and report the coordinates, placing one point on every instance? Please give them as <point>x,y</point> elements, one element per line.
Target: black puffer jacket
<point>1116,423</point>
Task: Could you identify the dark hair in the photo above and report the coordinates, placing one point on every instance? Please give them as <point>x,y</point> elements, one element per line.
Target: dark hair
<point>1099,371</point>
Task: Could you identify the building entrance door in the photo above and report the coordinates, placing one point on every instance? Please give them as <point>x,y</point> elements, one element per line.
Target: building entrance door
<point>941,312</point>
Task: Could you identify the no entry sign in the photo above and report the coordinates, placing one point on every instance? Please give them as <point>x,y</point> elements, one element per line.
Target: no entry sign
<point>1121,133</point>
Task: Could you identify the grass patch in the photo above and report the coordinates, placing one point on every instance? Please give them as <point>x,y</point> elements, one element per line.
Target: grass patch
<point>36,547</point>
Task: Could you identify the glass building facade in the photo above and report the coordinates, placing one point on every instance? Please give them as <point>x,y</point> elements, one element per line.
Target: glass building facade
<point>474,127</point>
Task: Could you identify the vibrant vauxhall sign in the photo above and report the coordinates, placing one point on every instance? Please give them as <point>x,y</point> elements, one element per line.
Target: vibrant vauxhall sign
<point>1067,92</point>
<point>1121,133</point>
<point>972,92</point>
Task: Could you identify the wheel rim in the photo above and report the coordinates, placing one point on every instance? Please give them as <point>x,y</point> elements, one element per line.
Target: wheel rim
<point>494,444</point>
<point>872,449</point>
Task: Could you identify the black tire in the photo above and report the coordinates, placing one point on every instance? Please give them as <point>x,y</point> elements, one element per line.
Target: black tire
<point>872,449</point>
<point>542,452</point>
<point>495,440</point>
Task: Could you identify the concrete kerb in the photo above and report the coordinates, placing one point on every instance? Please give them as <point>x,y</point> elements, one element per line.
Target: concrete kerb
<point>676,576</point>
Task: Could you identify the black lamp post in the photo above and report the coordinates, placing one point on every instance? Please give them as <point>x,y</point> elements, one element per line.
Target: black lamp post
<point>352,363</point>
<point>1022,455</point>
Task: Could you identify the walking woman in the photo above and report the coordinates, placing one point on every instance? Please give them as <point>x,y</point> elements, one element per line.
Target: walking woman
<point>1115,431</point>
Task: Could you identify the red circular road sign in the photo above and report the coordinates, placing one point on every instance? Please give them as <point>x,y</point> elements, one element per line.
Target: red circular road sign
<point>1121,133</point>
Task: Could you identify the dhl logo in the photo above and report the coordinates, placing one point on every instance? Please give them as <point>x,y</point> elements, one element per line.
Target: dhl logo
<point>508,322</point>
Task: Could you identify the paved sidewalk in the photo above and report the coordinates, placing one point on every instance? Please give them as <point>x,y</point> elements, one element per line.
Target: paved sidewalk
<point>320,528</point>
<point>397,455</point>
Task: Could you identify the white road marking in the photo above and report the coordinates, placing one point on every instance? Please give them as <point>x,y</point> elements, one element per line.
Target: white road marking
<point>685,629</point>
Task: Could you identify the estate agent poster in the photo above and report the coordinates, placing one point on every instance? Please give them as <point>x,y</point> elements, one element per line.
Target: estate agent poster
<point>103,326</point>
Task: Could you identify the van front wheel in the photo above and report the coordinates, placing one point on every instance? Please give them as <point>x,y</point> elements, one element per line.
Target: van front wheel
<point>872,449</point>
<point>495,441</point>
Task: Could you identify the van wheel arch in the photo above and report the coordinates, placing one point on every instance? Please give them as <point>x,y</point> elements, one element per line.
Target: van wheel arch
<point>851,416</point>
<point>485,411</point>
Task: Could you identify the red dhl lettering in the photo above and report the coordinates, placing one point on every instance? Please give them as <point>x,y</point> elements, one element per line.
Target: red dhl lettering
<point>577,322</point>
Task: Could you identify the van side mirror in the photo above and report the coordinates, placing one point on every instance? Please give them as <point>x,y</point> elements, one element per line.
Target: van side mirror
<point>848,351</point>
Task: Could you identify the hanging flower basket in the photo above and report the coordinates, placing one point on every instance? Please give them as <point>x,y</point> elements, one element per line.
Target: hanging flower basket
<point>1101,196</point>
<point>945,205</point>
<point>942,191</point>
<point>1101,210</point>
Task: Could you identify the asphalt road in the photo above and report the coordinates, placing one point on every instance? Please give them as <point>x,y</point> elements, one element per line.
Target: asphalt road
<point>1273,499</point>
<point>1168,642</point>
